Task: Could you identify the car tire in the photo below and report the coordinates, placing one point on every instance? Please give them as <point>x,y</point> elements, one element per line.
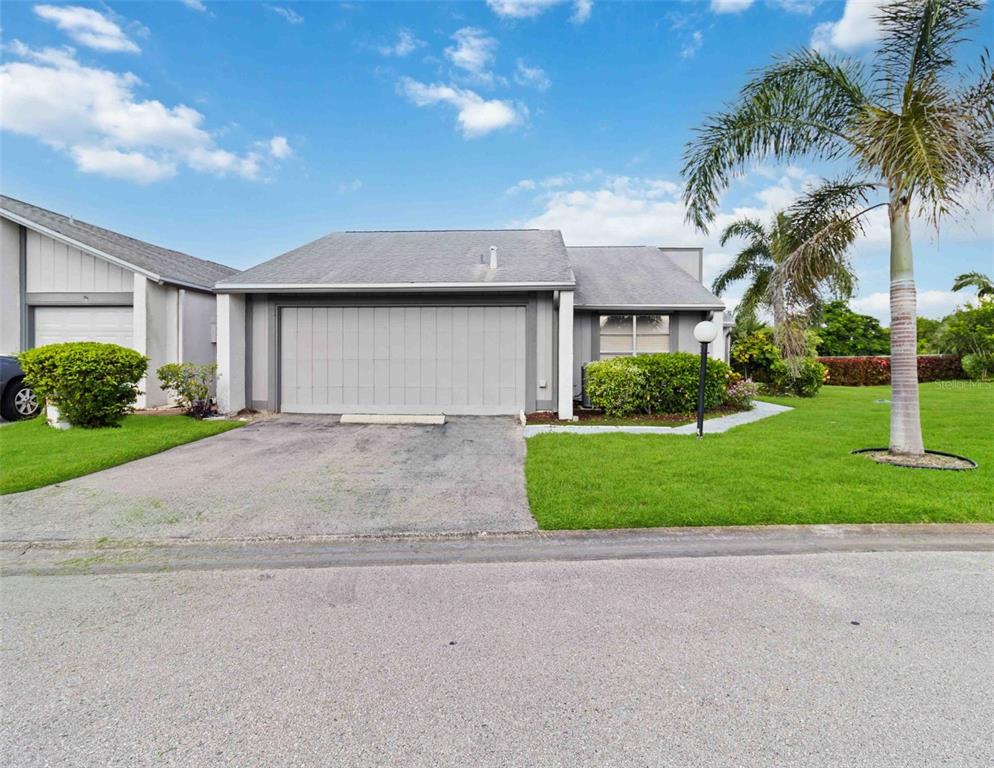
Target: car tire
<point>18,401</point>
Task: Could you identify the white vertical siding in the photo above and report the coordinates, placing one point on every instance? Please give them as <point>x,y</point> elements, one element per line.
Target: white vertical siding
<point>10,287</point>
<point>55,267</point>
<point>544,363</point>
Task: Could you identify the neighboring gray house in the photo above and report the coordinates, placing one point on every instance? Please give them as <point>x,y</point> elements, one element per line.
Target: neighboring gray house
<point>456,322</point>
<point>62,279</point>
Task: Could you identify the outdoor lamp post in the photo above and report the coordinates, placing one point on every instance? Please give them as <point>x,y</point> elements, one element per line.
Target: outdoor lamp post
<point>705,332</point>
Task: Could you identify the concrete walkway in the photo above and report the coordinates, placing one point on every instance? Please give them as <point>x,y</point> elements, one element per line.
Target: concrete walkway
<point>759,411</point>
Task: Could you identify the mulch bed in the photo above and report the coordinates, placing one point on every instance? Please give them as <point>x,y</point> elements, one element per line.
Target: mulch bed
<point>592,416</point>
<point>930,460</point>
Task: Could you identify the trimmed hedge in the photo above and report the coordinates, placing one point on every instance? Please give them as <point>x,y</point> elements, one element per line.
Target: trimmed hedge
<point>874,370</point>
<point>93,384</point>
<point>658,383</point>
<point>805,382</point>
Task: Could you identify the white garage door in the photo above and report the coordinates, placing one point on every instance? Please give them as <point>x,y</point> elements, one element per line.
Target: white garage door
<point>107,324</point>
<point>457,360</point>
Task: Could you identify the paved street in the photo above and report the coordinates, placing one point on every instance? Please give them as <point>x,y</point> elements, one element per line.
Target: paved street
<point>862,659</point>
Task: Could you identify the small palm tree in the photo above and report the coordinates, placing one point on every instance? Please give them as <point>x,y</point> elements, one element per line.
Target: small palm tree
<point>978,280</point>
<point>765,249</point>
<point>908,133</point>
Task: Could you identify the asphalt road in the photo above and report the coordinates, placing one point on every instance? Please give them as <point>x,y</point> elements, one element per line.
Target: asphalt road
<point>863,659</point>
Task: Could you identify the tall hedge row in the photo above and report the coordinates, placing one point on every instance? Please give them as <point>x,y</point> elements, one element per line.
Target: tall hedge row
<point>872,370</point>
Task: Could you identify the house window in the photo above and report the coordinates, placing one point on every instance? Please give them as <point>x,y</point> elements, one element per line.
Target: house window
<point>633,335</point>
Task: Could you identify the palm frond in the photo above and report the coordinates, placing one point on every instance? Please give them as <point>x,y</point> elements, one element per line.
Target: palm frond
<point>918,39</point>
<point>744,228</point>
<point>804,104</point>
<point>749,261</point>
<point>978,280</point>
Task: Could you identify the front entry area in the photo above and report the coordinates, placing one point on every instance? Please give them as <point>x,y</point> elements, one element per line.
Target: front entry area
<point>402,359</point>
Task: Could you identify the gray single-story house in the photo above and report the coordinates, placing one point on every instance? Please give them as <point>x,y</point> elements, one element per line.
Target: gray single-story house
<point>62,279</point>
<point>454,322</point>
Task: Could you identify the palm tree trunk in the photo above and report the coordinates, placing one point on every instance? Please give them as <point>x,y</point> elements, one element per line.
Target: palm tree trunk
<point>905,420</point>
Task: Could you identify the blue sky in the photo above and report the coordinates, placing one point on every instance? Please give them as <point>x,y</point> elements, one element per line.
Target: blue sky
<point>236,131</point>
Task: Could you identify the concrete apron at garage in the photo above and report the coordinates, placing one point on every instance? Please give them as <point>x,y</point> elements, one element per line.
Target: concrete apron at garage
<point>296,476</point>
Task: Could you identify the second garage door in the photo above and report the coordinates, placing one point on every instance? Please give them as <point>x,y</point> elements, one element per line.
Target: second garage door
<point>418,359</point>
<point>111,325</point>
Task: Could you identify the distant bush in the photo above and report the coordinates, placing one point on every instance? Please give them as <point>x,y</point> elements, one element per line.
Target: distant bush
<point>872,371</point>
<point>979,367</point>
<point>805,382</point>
<point>93,384</point>
<point>740,392</point>
<point>658,383</point>
<point>192,384</point>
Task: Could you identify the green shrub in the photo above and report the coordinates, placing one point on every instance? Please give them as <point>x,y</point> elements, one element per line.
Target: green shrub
<point>617,387</point>
<point>192,385</point>
<point>659,383</point>
<point>979,367</point>
<point>93,384</point>
<point>968,331</point>
<point>805,383</point>
<point>755,354</point>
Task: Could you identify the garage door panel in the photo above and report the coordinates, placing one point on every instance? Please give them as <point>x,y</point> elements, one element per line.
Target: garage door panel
<point>403,359</point>
<point>111,325</point>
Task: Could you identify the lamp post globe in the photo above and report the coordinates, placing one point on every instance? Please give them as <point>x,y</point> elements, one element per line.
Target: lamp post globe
<point>705,332</point>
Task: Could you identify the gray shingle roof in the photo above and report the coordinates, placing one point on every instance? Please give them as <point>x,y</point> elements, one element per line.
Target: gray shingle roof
<point>426,257</point>
<point>639,276</point>
<point>168,265</point>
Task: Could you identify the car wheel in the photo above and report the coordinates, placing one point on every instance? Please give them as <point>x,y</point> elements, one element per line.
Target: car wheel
<point>19,401</point>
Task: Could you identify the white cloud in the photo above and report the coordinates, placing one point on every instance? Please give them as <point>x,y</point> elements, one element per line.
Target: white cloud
<point>529,9</point>
<point>856,29</point>
<point>476,116</point>
<point>287,13</point>
<point>132,166</point>
<point>94,116</point>
<point>521,186</point>
<point>279,147</point>
<point>195,5</point>
<point>581,11</point>
<point>730,6</point>
<point>533,76</point>
<point>692,46</point>
<point>88,27</point>
<point>350,186</point>
<point>795,6</point>
<point>936,304</point>
<point>407,43</point>
<point>473,52</point>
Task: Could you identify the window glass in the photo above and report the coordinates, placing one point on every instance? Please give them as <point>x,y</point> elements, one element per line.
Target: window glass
<point>616,325</point>
<point>633,334</point>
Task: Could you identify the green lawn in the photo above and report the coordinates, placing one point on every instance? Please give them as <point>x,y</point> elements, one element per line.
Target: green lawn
<point>791,468</point>
<point>32,454</point>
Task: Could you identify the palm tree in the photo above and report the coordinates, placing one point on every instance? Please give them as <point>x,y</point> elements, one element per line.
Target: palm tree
<point>978,280</point>
<point>766,247</point>
<point>914,140</point>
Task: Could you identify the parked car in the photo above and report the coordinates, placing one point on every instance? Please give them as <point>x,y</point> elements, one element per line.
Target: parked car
<point>17,400</point>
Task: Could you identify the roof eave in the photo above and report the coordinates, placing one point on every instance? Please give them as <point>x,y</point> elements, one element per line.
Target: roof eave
<point>668,307</point>
<point>43,230</point>
<point>493,287</point>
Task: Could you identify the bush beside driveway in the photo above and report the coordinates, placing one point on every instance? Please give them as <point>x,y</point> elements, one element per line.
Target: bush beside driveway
<point>793,469</point>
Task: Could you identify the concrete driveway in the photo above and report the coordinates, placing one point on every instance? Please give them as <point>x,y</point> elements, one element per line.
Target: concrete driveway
<point>295,476</point>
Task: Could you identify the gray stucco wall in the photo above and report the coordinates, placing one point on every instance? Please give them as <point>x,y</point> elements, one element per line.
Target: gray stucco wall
<point>197,326</point>
<point>690,260</point>
<point>10,287</point>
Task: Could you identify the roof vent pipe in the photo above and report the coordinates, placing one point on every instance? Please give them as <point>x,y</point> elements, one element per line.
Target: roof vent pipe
<point>493,257</point>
